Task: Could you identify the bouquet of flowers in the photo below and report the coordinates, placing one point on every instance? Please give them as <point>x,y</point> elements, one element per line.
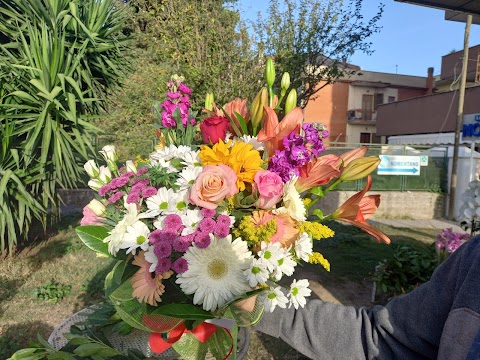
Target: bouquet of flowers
<point>223,210</point>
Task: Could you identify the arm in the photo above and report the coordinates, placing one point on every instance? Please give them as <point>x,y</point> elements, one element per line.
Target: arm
<point>408,327</point>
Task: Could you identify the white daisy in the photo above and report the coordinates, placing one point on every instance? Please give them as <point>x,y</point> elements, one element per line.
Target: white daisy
<point>151,258</point>
<point>274,298</point>
<point>292,203</point>
<point>271,253</point>
<point>190,220</point>
<point>117,234</point>
<point>257,273</point>
<point>191,159</point>
<point>252,140</point>
<point>285,266</point>
<point>162,203</point>
<point>298,291</point>
<point>135,237</point>
<point>215,273</point>
<point>304,247</point>
<point>187,177</point>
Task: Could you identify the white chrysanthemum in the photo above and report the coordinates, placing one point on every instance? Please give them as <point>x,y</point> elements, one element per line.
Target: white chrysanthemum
<point>190,220</point>
<point>187,177</point>
<point>215,273</point>
<point>274,298</point>
<point>298,291</point>
<point>285,266</point>
<point>292,203</point>
<point>257,273</point>
<point>151,258</point>
<point>117,234</point>
<point>191,159</point>
<point>135,237</point>
<point>162,203</point>
<point>304,247</point>
<point>252,140</point>
<point>271,253</point>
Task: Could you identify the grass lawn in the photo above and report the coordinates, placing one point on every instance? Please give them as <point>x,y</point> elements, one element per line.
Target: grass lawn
<point>41,286</point>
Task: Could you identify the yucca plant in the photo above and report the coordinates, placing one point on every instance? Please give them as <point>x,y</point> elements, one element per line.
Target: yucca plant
<point>58,58</point>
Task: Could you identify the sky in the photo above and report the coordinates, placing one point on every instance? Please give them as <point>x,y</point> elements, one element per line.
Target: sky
<point>412,39</point>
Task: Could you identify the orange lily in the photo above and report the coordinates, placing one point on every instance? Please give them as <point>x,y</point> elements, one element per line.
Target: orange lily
<point>318,172</point>
<point>358,208</point>
<point>353,154</point>
<point>273,131</point>
<point>237,106</point>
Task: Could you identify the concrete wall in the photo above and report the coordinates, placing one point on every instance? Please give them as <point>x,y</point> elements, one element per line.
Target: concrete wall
<point>393,204</point>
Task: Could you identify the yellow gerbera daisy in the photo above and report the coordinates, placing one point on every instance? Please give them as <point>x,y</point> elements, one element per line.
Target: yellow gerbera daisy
<point>241,157</point>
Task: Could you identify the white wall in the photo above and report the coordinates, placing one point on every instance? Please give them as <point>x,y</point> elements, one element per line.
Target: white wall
<point>355,95</point>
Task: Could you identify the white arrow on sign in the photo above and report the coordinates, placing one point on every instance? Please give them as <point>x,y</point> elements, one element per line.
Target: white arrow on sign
<point>399,165</point>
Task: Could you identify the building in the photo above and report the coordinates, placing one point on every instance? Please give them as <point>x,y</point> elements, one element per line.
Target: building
<point>349,106</point>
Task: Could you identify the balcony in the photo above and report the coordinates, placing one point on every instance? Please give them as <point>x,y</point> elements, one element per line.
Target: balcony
<point>362,117</point>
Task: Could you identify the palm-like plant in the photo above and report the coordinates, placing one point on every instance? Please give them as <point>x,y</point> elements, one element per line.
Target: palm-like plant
<point>58,59</point>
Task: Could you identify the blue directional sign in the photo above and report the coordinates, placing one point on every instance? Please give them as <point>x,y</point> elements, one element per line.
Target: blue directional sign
<point>399,165</point>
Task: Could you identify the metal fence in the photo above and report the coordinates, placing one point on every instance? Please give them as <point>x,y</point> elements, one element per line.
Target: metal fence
<point>433,177</point>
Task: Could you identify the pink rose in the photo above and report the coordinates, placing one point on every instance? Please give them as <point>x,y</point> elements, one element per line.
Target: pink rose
<point>214,128</point>
<point>270,188</point>
<point>89,217</point>
<point>215,183</point>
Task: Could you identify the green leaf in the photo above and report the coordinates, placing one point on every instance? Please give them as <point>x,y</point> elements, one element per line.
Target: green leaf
<point>318,213</point>
<point>318,190</point>
<point>183,311</point>
<point>242,122</point>
<point>93,236</point>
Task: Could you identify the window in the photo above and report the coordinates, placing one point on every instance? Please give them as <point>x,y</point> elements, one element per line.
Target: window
<point>376,139</point>
<point>378,100</point>
<point>391,99</point>
<point>365,138</point>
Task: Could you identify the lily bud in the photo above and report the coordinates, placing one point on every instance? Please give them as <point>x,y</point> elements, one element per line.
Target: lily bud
<point>97,207</point>
<point>353,154</point>
<point>256,112</point>
<point>131,166</point>
<point>105,175</point>
<point>285,83</point>
<point>209,101</point>
<point>359,168</point>
<point>270,72</point>
<point>91,168</point>
<point>95,184</point>
<point>109,154</point>
<point>291,102</point>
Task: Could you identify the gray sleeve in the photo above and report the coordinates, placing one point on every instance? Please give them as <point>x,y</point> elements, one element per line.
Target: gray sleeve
<point>408,327</point>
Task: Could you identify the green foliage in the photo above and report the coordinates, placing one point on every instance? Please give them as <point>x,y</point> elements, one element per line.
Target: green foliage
<point>52,291</point>
<point>57,60</point>
<point>407,269</point>
<point>312,39</point>
<point>8,346</point>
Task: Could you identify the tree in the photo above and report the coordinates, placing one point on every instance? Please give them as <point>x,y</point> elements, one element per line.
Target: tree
<point>313,40</point>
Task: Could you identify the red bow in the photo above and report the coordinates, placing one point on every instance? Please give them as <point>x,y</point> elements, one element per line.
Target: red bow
<point>202,332</point>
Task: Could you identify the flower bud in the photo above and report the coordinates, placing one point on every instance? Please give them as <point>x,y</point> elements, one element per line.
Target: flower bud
<point>109,154</point>
<point>285,83</point>
<point>209,101</point>
<point>95,184</point>
<point>353,154</point>
<point>131,166</point>
<point>270,72</point>
<point>96,207</point>
<point>291,102</point>
<point>256,112</point>
<point>105,175</point>
<point>91,168</point>
<point>359,168</point>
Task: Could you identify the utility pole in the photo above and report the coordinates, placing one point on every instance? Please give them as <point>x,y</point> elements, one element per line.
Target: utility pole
<point>458,128</point>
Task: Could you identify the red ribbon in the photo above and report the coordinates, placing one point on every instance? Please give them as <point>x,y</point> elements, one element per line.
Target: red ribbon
<point>202,332</point>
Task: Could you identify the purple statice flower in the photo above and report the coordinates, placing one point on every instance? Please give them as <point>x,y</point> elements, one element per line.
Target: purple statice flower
<point>180,265</point>
<point>104,190</point>
<point>299,155</point>
<point>149,191</point>
<point>115,197</point>
<point>167,120</point>
<point>162,249</point>
<point>280,165</point>
<point>164,264</point>
<point>221,231</point>
<point>207,225</point>
<point>173,95</point>
<point>173,222</point>
<point>133,197</point>
<point>208,213</point>
<point>202,240</point>
<point>224,220</point>
<point>449,240</point>
<point>292,140</point>
<point>184,89</point>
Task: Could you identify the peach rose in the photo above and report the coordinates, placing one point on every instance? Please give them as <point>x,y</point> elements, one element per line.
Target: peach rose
<point>270,188</point>
<point>215,183</point>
